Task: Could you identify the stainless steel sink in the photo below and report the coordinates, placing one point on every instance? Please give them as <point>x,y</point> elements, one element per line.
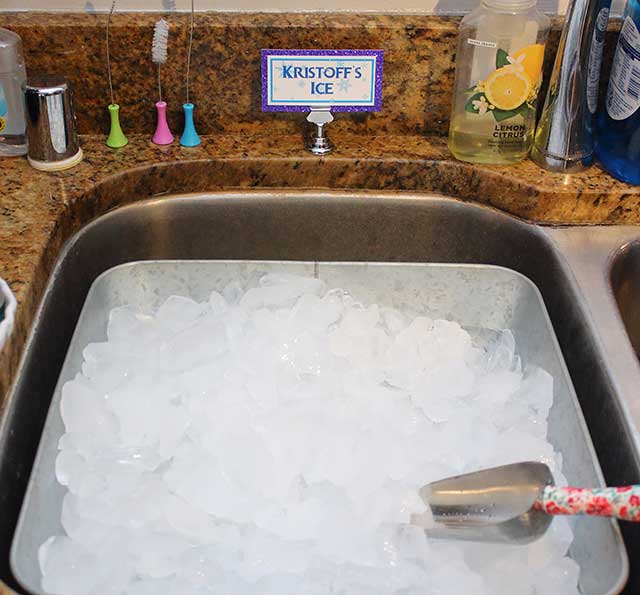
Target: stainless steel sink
<point>570,266</point>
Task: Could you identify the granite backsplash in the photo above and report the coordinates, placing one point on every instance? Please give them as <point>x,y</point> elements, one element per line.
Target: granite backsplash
<point>418,77</point>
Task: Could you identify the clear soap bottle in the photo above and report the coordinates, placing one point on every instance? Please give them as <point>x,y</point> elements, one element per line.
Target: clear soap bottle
<point>498,76</point>
<point>13,139</point>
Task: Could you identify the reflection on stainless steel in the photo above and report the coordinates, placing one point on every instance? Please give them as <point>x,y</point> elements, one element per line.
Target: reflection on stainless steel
<point>493,505</point>
<point>570,266</point>
<point>564,139</point>
<point>57,128</point>
<point>625,280</point>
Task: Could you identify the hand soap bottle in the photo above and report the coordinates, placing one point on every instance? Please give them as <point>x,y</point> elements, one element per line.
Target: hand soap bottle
<point>498,75</point>
<point>618,127</point>
<point>13,140</point>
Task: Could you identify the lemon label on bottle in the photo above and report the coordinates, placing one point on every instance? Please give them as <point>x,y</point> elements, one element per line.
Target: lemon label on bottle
<point>507,88</point>
<point>511,89</point>
<point>623,94</point>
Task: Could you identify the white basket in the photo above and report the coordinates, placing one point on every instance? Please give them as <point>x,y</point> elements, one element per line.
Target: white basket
<point>6,326</point>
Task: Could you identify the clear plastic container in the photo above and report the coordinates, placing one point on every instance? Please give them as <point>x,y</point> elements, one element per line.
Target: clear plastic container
<point>13,139</point>
<point>498,76</point>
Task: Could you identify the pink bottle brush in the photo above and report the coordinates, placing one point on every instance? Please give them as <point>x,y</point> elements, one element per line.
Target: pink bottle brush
<point>162,135</point>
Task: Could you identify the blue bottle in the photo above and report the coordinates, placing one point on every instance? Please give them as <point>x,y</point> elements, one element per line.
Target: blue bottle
<point>618,129</point>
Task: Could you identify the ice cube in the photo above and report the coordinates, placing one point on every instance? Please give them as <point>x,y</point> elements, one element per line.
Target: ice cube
<point>123,323</point>
<point>501,353</point>
<point>70,466</point>
<point>200,566</point>
<point>218,304</point>
<point>559,578</point>
<point>88,532</point>
<point>68,568</point>
<point>157,555</point>
<point>190,521</point>
<point>279,290</point>
<point>192,347</point>
<point>178,313</point>
<point>315,313</point>
<point>84,411</point>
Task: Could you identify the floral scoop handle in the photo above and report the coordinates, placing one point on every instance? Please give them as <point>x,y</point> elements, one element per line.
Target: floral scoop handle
<point>622,503</point>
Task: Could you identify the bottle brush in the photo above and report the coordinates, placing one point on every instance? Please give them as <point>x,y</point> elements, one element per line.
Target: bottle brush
<point>189,136</point>
<point>116,138</point>
<point>162,134</point>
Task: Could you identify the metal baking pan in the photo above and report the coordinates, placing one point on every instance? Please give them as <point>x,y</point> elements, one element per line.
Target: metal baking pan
<point>474,295</point>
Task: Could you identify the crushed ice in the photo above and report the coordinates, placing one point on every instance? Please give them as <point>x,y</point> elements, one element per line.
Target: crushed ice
<point>273,441</point>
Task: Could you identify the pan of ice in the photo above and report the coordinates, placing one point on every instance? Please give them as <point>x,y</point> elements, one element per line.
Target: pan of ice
<point>264,428</point>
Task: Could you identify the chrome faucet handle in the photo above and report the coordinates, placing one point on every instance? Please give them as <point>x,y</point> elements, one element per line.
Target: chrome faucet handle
<point>318,143</point>
<point>564,138</point>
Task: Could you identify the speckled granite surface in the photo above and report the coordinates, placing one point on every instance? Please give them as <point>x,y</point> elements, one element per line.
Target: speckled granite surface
<point>418,71</point>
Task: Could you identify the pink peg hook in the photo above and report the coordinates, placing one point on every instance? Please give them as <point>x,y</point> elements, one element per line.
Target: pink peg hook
<point>162,134</point>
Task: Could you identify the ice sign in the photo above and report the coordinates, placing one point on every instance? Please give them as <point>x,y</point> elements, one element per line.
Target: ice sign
<point>343,80</point>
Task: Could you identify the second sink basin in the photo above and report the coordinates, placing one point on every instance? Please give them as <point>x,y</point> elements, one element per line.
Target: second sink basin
<point>625,280</point>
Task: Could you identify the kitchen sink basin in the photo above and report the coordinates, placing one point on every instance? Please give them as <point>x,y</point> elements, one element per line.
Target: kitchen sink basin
<point>351,227</point>
<point>625,280</point>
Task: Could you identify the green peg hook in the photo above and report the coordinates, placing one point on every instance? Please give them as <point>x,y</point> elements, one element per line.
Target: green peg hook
<point>116,138</point>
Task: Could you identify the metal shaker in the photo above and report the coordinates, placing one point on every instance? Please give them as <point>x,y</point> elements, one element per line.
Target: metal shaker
<point>51,124</point>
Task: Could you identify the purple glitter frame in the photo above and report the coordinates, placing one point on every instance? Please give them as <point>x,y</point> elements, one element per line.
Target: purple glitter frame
<point>377,54</point>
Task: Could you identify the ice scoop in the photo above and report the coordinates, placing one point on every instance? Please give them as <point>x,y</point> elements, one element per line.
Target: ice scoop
<point>516,503</point>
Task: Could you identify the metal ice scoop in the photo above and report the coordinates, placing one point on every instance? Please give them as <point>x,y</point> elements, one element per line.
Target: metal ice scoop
<point>516,503</point>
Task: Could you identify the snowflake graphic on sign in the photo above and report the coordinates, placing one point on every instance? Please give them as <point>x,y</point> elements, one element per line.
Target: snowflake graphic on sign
<point>344,85</point>
<point>280,70</point>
